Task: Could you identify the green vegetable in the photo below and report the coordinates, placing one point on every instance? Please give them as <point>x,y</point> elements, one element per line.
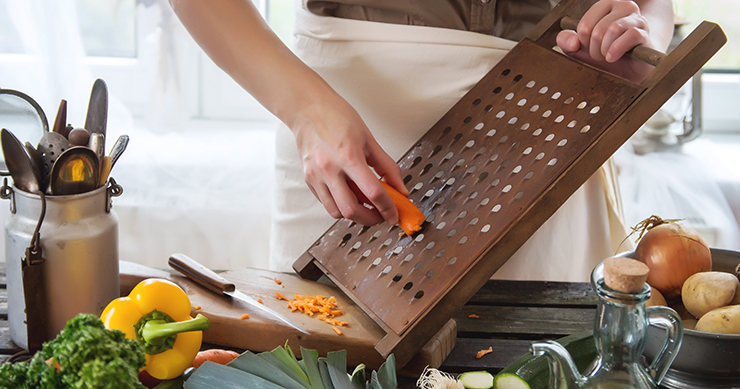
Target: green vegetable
<point>280,368</point>
<point>509,381</point>
<point>88,356</point>
<point>535,370</point>
<point>477,380</point>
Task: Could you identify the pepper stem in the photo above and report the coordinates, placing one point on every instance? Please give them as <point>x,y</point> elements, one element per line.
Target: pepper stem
<point>158,331</point>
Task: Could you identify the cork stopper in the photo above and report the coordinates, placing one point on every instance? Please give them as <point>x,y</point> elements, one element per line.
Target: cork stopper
<point>625,274</point>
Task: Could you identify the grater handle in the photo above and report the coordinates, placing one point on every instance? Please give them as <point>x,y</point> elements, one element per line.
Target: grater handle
<point>640,52</point>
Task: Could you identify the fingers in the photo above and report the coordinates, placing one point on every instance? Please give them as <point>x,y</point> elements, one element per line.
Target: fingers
<point>608,30</point>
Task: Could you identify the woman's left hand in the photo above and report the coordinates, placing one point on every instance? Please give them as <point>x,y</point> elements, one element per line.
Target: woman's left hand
<point>605,33</point>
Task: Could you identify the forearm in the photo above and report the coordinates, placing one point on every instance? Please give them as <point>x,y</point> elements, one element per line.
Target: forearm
<point>659,14</point>
<point>236,37</point>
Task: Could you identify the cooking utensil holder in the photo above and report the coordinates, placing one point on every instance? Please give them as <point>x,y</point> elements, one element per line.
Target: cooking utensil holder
<point>79,243</point>
<point>490,172</point>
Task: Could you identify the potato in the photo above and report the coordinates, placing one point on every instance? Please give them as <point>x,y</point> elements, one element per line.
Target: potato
<point>705,291</point>
<point>736,300</point>
<point>656,298</point>
<point>724,320</point>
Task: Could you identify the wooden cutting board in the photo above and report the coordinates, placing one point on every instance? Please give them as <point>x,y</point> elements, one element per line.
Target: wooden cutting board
<point>260,332</point>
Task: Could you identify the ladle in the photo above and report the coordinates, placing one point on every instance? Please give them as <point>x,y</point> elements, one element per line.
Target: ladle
<point>21,166</point>
<point>51,146</point>
<point>75,171</point>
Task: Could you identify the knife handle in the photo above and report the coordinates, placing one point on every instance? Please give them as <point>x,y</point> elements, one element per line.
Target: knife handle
<point>202,275</point>
<point>639,52</point>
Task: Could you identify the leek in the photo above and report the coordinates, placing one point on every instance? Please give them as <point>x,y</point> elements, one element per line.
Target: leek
<point>262,368</point>
<point>212,375</point>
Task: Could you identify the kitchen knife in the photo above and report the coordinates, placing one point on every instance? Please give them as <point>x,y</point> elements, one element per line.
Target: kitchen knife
<point>217,284</point>
<point>97,110</point>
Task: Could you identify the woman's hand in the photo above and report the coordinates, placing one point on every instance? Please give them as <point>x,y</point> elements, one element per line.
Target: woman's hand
<point>339,155</point>
<point>340,160</point>
<point>610,28</point>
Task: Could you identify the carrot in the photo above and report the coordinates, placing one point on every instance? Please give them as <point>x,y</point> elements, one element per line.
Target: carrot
<point>198,307</point>
<point>474,316</point>
<point>280,296</point>
<point>245,316</point>
<point>337,330</point>
<point>410,218</point>
<point>277,280</point>
<point>260,301</point>
<point>481,353</point>
<point>215,355</point>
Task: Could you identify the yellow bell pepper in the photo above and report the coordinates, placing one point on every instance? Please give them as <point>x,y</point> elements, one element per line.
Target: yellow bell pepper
<point>157,313</point>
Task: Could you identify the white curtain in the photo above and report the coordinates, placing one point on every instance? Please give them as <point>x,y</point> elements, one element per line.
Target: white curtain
<point>204,190</point>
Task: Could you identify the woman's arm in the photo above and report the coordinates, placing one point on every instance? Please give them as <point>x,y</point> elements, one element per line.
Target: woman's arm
<point>610,28</point>
<point>337,150</point>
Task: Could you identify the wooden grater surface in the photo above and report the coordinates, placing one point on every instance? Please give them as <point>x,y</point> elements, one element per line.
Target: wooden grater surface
<point>489,173</point>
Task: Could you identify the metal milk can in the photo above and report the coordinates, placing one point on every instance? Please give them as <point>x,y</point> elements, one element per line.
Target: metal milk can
<point>78,239</point>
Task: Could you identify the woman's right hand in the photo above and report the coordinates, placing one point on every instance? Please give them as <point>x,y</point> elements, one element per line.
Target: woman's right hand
<point>340,159</point>
<point>340,156</point>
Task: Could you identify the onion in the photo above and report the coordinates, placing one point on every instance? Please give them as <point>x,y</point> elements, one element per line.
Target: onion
<point>672,252</point>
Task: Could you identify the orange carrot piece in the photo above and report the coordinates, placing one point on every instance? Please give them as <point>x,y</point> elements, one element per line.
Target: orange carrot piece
<point>277,280</point>
<point>260,301</point>
<point>281,297</point>
<point>214,355</point>
<point>481,353</point>
<point>410,218</point>
<point>474,316</point>
<point>337,330</point>
<point>245,316</point>
<point>198,307</point>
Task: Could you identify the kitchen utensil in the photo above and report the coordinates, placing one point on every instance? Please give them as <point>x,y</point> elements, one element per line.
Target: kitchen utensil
<point>79,240</point>
<point>262,333</point>
<point>118,148</point>
<point>22,168</point>
<point>97,145</point>
<point>78,137</point>
<point>23,116</point>
<point>105,168</point>
<point>77,170</point>
<point>60,123</point>
<point>37,162</point>
<point>97,110</point>
<point>489,173</point>
<point>50,147</point>
<point>217,284</point>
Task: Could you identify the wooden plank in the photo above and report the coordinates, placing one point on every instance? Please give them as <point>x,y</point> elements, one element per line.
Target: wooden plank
<point>535,293</point>
<point>505,351</point>
<point>523,322</point>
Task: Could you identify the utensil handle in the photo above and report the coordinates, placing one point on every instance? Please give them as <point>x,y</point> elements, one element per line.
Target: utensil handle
<point>640,52</point>
<point>200,274</point>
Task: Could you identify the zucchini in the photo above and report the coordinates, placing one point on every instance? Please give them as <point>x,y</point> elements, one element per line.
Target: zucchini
<point>509,381</point>
<point>535,370</point>
<point>477,380</point>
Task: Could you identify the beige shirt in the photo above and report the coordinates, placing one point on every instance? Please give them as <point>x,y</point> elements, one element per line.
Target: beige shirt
<point>509,19</point>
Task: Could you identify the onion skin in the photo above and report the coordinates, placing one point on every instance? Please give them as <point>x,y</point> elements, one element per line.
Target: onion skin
<point>673,253</point>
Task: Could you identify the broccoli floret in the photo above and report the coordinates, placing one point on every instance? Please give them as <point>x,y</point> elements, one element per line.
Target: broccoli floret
<point>88,356</point>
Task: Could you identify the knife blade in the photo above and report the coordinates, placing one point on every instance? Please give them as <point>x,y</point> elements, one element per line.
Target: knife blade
<point>97,109</point>
<point>208,279</point>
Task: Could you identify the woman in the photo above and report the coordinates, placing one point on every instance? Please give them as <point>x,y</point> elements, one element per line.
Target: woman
<point>369,77</point>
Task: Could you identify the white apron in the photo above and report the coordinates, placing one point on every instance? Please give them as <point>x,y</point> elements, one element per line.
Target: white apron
<point>402,79</point>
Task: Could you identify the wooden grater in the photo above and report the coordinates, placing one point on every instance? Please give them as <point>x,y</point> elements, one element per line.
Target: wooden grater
<point>489,173</point>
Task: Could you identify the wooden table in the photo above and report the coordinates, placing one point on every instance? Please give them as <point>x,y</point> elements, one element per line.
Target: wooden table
<point>510,314</point>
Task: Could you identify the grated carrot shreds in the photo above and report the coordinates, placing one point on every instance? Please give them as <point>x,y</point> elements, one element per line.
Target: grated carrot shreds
<point>324,308</point>
<point>198,307</point>
<point>245,316</point>
<point>337,330</point>
<point>281,297</point>
<point>260,301</point>
<point>474,316</point>
<point>277,280</point>
<point>481,353</point>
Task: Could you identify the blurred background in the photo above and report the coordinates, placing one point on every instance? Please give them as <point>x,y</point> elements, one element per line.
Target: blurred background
<point>197,173</point>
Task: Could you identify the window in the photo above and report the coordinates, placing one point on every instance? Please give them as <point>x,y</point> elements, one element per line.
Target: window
<point>721,80</point>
